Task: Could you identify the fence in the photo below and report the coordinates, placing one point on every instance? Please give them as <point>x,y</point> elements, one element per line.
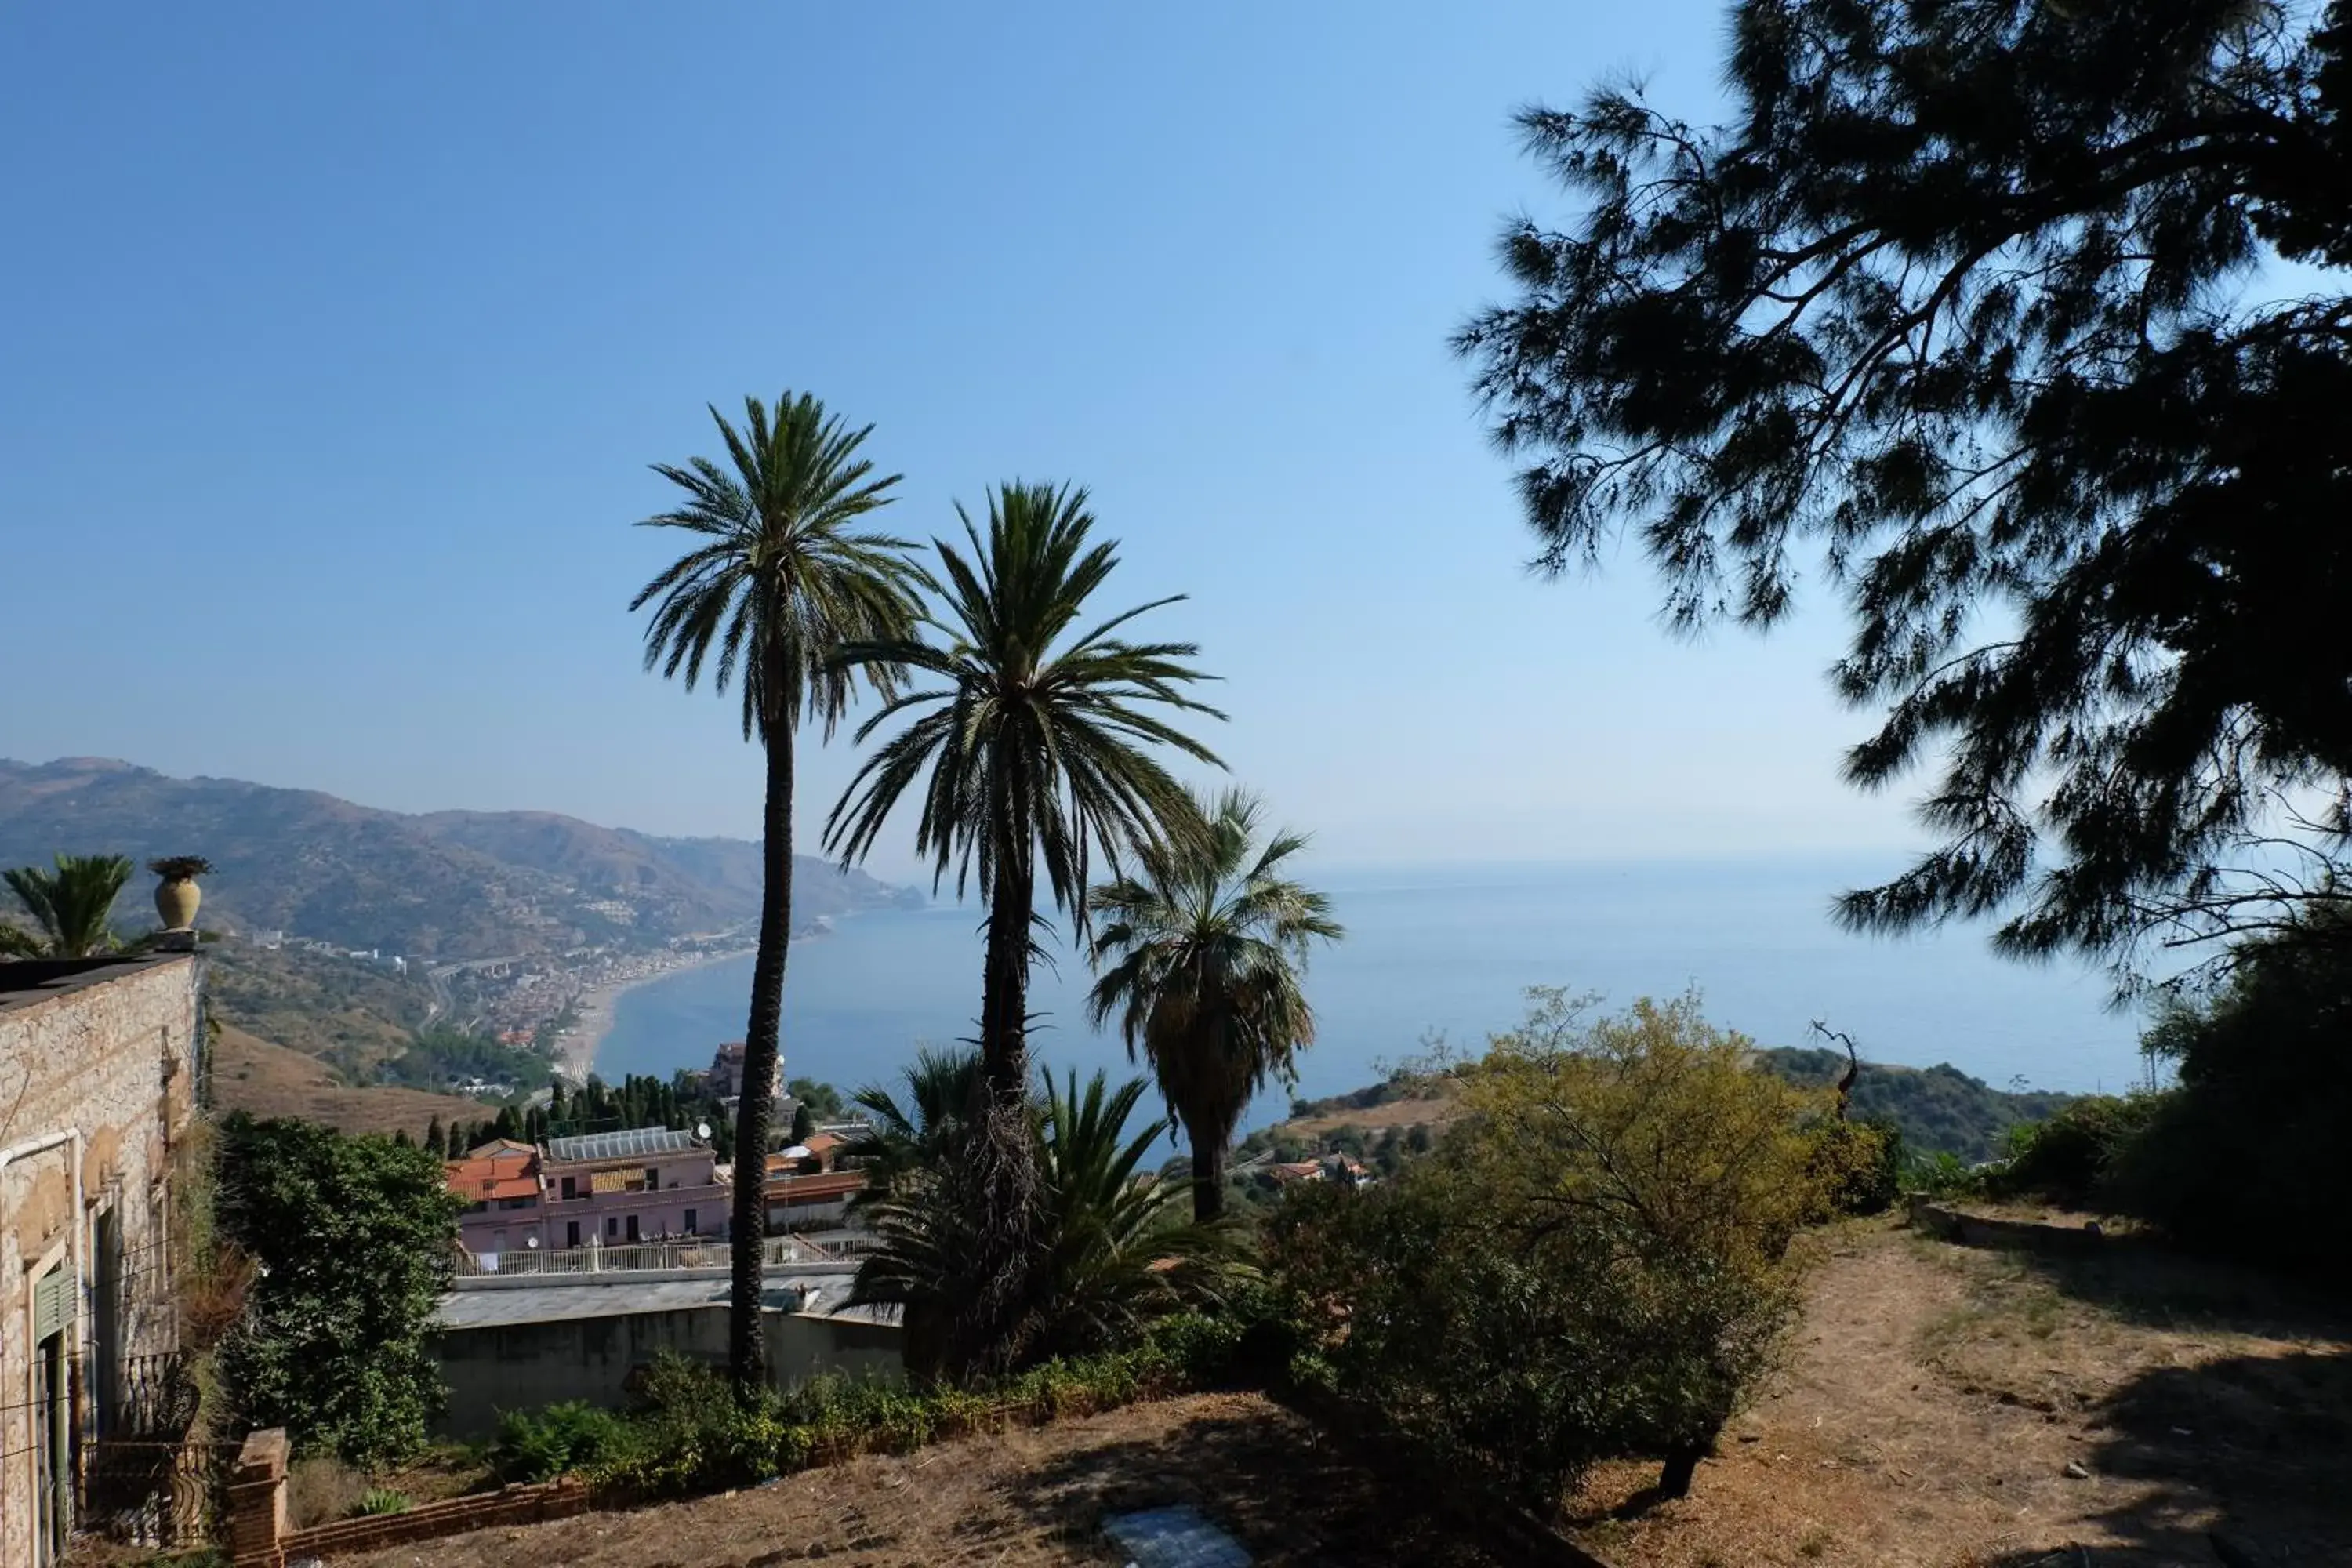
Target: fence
<point>166,1493</point>
<point>144,1481</point>
<point>682,1253</point>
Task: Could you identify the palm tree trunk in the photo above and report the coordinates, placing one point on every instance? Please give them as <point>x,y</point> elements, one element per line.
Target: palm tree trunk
<point>746,1343</point>
<point>1005,987</point>
<point>997,1181</point>
<point>1208,1177</point>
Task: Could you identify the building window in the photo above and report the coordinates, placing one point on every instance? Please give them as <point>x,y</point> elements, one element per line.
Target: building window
<point>633,1227</point>
<point>572,1233</point>
<point>689,1222</point>
<point>571,1186</point>
<point>612,1225</point>
<point>652,1179</point>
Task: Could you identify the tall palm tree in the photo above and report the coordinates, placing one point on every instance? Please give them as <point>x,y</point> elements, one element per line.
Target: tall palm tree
<point>1204,952</point>
<point>72,905</point>
<point>1033,745</point>
<point>777,581</point>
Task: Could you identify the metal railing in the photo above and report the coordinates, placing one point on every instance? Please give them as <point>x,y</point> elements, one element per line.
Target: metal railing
<point>687,1252</point>
<point>154,1492</point>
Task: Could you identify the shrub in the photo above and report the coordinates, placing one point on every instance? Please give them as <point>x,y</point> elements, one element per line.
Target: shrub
<point>1942,1174</point>
<point>350,1238</point>
<point>1593,1265</point>
<point>2244,1157</point>
<point>1857,1165</point>
<point>2068,1158</point>
<point>555,1441</point>
<point>381,1501</point>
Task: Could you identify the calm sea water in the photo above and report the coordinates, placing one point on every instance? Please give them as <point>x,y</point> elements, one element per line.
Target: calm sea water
<point>1438,950</point>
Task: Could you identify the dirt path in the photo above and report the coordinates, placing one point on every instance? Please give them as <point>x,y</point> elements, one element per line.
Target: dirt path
<point>1935,1397</point>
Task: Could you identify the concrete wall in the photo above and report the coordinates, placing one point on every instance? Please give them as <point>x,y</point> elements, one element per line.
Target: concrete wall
<point>110,1054</point>
<point>524,1366</point>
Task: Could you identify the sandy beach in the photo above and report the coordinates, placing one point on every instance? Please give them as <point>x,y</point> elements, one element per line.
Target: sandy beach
<point>575,1048</point>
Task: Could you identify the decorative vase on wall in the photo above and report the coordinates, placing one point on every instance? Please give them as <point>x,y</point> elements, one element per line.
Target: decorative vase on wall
<point>176,901</point>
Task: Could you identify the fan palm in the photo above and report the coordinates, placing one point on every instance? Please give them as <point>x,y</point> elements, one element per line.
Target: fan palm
<point>1109,1254</point>
<point>777,580</point>
<point>1032,746</point>
<point>1203,950</point>
<point>73,905</point>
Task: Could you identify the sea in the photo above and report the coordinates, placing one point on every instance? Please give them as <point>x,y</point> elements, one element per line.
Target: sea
<point>1449,953</point>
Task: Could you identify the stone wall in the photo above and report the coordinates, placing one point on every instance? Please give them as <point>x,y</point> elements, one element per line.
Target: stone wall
<point>109,1053</point>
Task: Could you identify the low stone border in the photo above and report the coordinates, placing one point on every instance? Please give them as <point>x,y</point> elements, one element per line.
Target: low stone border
<point>257,1536</point>
<point>2020,1234</point>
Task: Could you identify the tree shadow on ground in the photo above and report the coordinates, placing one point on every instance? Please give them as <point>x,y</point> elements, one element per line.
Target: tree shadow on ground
<point>1279,1485</point>
<point>2250,1458</point>
<point>2142,1280</point>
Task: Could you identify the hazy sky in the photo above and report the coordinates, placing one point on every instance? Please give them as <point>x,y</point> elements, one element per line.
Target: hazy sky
<point>339,337</point>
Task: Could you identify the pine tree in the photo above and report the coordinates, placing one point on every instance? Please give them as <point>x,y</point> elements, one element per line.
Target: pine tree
<point>1954,306</point>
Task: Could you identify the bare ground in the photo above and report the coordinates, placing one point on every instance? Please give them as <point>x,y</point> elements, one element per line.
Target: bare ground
<point>1934,1400</point>
<point>1433,1113</point>
<point>1021,1499</point>
<point>250,1073</point>
<point>1936,1396</point>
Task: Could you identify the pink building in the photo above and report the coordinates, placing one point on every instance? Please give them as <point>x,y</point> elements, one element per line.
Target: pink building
<point>639,1185</point>
<point>608,1188</point>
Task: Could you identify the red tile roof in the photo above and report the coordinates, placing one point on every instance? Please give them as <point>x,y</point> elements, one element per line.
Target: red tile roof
<point>815,1189</point>
<point>511,1172</point>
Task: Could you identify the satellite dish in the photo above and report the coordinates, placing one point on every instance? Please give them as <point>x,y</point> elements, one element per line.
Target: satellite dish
<point>702,1130</point>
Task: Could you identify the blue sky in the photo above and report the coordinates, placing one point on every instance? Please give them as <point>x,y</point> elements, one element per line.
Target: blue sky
<point>339,338</point>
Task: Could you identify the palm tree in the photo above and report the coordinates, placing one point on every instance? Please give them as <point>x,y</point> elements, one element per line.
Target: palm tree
<point>1204,950</point>
<point>1107,1258</point>
<point>1033,745</point>
<point>777,583</point>
<point>899,1138</point>
<point>73,905</point>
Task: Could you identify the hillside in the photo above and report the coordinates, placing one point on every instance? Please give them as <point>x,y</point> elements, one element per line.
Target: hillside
<point>1938,1109</point>
<point>446,886</point>
<point>251,1074</point>
<point>349,1017</point>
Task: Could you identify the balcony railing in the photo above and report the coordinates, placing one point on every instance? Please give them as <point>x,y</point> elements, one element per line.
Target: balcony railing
<point>687,1252</point>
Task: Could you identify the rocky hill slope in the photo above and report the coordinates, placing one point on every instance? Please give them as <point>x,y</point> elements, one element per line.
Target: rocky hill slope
<point>446,886</point>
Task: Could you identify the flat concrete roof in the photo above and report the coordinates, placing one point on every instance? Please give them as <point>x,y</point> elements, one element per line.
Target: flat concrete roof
<point>559,1302</point>
<point>28,982</point>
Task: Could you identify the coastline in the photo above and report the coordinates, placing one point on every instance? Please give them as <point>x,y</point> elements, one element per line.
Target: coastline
<point>576,1048</point>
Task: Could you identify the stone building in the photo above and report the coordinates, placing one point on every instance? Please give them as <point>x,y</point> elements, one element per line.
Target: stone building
<point>99,1060</point>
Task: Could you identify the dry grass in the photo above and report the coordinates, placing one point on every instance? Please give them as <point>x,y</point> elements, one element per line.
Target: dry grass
<point>1936,1396</point>
<point>251,1074</point>
<point>1430,1113</point>
<point>1023,1498</point>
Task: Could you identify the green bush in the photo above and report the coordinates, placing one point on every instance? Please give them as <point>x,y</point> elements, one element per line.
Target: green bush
<point>379,1501</point>
<point>1858,1165</point>
<point>351,1239</point>
<point>686,1432</point>
<point>1514,1356</point>
<point>2244,1157</point>
<point>1942,1174</point>
<point>2067,1159</point>
<point>555,1441</point>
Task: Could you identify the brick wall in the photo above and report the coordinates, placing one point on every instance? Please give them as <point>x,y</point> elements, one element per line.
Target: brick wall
<point>109,1052</point>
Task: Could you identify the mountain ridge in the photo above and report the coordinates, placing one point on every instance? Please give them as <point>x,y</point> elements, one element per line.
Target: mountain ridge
<point>446,886</point>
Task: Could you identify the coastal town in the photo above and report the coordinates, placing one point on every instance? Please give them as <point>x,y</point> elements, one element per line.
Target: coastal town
<point>1570,785</point>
